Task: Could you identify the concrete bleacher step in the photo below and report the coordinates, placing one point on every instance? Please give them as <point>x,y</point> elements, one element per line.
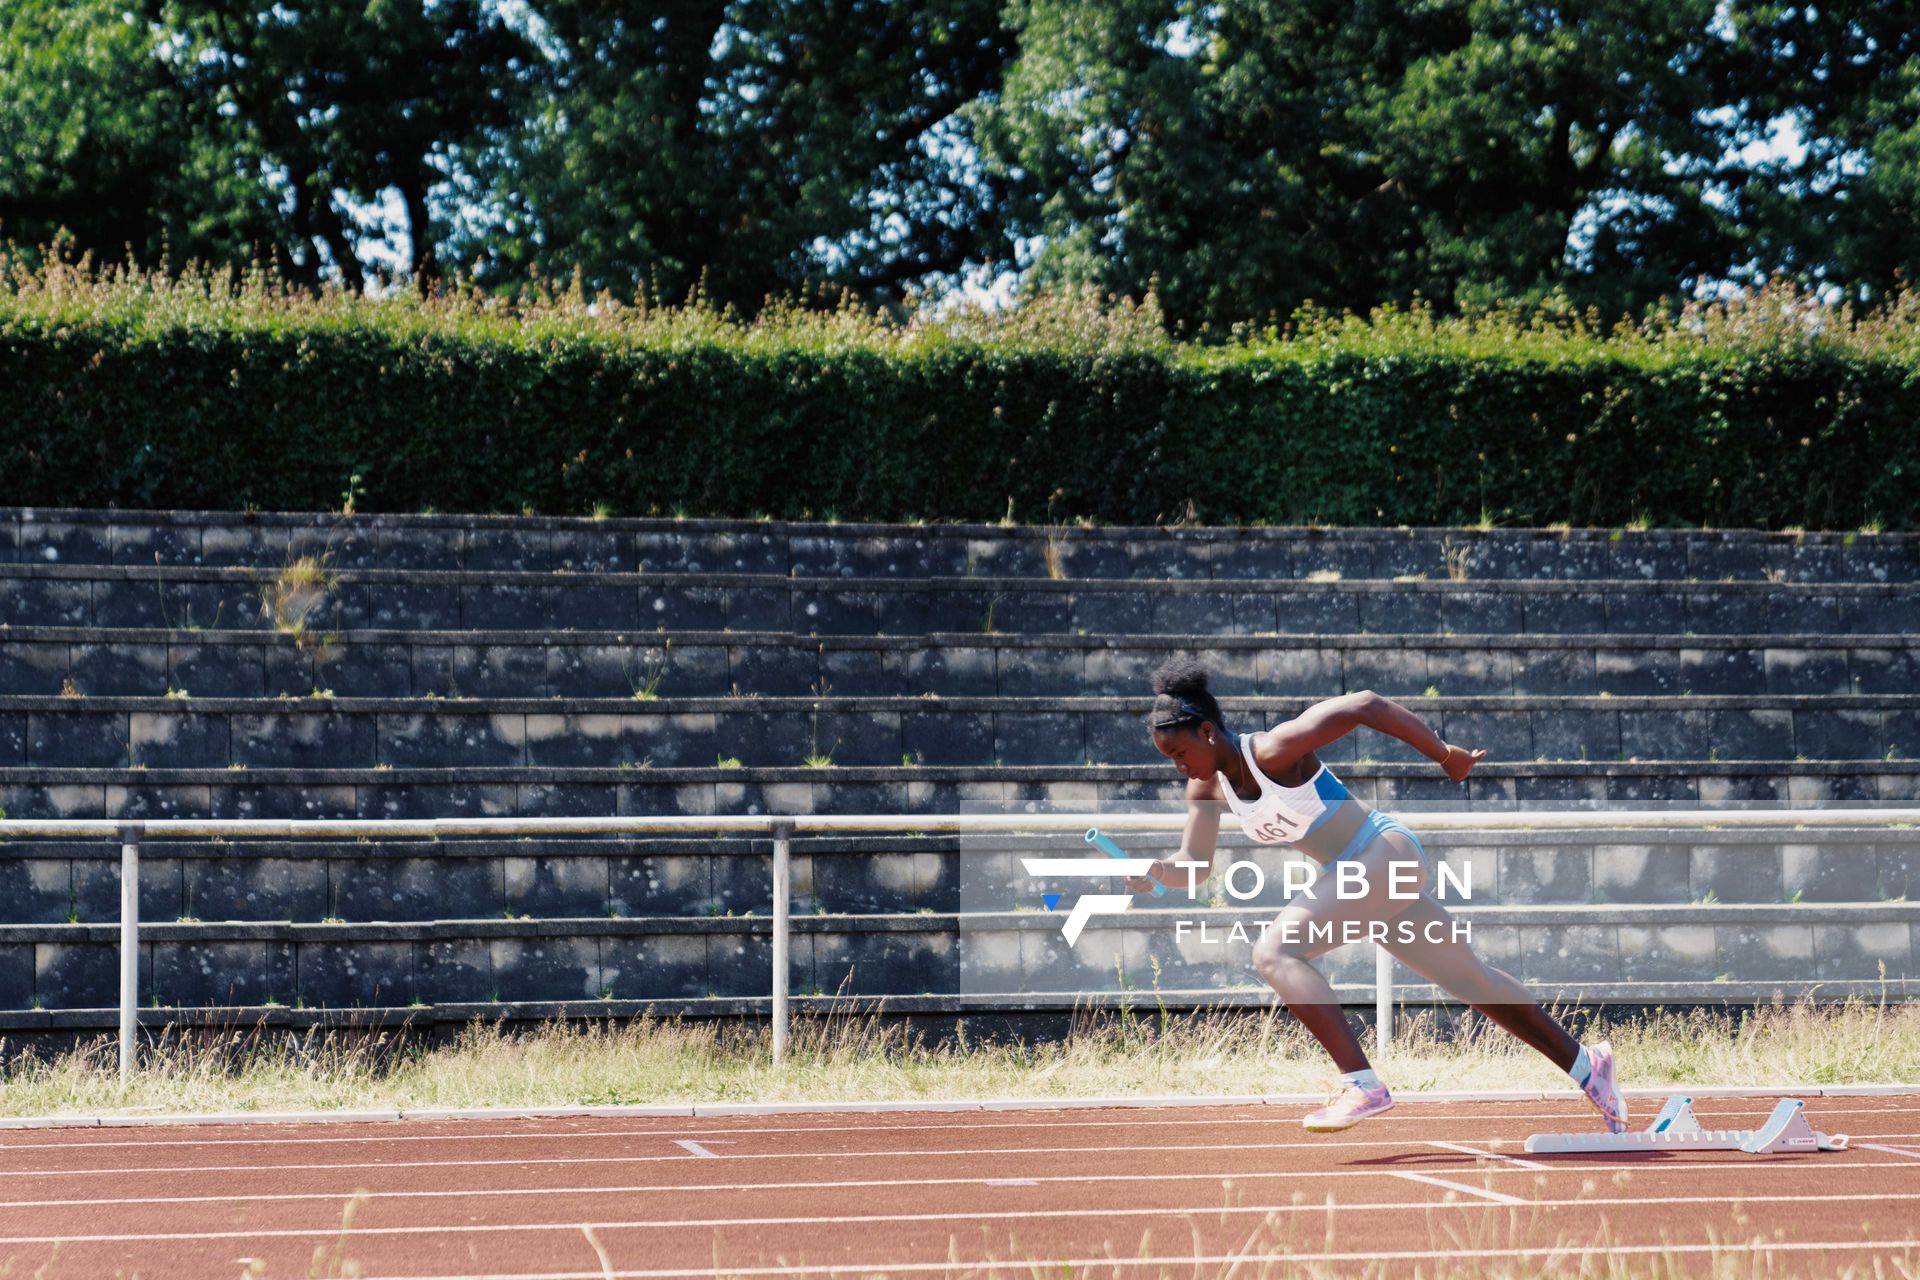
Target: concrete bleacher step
<point>475,666</point>
<point>609,664</point>
<point>73,966</point>
<point>439,600</point>
<point>357,733</point>
<point>311,881</point>
<point>486,790</point>
<point>541,544</point>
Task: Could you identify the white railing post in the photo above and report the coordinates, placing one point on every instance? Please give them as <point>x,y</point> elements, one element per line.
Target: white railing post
<point>129,949</point>
<point>782,883</point>
<point>1382,999</point>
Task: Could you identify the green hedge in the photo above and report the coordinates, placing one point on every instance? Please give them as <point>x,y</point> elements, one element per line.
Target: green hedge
<point>146,404</point>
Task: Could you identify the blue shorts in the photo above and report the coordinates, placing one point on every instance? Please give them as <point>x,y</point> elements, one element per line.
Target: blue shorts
<point>1376,825</point>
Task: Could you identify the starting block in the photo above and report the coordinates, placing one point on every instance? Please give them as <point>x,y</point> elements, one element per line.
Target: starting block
<point>1677,1129</point>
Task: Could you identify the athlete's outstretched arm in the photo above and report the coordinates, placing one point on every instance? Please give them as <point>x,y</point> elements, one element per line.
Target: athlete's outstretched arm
<point>1325,723</point>
<point>1199,842</point>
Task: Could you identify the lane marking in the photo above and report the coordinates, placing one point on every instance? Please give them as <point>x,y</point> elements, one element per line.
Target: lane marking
<point>1512,1165</point>
<point>120,1170</point>
<point>1497,1197</point>
<point>1897,1151</point>
<point>1720,1106</point>
<point>700,1150</point>
<point>1487,1155</point>
<point>333,1230</point>
<point>1195,1259</point>
<point>331,1197</point>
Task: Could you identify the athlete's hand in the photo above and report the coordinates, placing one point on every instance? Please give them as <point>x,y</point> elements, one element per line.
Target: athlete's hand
<point>1460,761</point>
<point>1156,873</point>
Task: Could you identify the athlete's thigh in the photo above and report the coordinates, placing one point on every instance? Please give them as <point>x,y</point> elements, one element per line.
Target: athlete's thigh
<point>1320,916</point>
<point>1425,939</point>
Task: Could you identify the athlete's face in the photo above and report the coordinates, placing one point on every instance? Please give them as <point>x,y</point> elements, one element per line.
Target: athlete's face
<point>1194,752</point>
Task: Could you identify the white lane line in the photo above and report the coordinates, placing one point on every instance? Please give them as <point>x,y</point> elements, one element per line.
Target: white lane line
<point>700,1149</point>
<point>333,1230</point>
<point>756,1155</point>
<point>1896,1151</point>
<point>332,1197</point>
<point>1461,1148</point>
<point>1512,1165</point>
<point>1497,1197</point>
<point>890,1154</point>
<point>1103,1262</point>
<point>1476,1152</point>
<point>1726,1107</point>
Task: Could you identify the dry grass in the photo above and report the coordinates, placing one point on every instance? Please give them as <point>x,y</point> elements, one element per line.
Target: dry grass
<point>296,595</point>
<point>859,1057</point>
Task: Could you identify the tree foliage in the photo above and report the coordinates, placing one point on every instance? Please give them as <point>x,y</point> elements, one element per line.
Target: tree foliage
<point>1236,157</point>
<point>110,142</point>
<point>748,148</point>
<point>1846,211</point>
<point>1250,155</point>
<point>345,101</point>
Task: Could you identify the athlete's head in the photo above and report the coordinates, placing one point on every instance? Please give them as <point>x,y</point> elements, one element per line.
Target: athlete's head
<point>1185,722</point>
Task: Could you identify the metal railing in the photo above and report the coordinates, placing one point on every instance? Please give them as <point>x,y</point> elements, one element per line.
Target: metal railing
<point>782,828</point>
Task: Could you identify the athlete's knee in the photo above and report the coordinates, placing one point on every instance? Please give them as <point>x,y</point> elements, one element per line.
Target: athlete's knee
<point>1481,984</point>
<point>1276,960</point>
<point>1271,948</point>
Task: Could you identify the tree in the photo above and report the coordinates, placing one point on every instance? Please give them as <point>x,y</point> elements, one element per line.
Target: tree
<point>345,101</point>
<point>1249,155</point>
<point>751,149</point>
<point>103,141</point>
<point>1844,81</point>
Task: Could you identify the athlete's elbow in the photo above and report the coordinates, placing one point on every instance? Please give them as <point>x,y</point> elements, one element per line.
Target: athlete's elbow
<point>1366,701</point>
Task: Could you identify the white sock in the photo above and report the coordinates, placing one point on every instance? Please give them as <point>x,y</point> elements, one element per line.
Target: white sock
<point>1365,1078</point>
<point>1581,1069</point>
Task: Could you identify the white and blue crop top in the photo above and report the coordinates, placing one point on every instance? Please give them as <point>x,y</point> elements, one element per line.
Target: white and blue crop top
<point>1284,815</point>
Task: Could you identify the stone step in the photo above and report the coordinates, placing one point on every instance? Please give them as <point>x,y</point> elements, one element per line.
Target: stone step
<point>398,664</point>
<point>544,544</point>
<point>290,792</point>
<point>354,733</point>
<point>51,882</point>
<point>66,966</point>
<point>185,598</point>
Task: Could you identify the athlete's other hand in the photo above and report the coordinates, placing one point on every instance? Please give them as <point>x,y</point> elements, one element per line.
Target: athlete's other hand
<point>1460,761</point>
<point>1156,874</point>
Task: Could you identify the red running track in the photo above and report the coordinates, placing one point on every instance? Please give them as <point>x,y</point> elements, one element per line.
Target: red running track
<point>1437,1188</point>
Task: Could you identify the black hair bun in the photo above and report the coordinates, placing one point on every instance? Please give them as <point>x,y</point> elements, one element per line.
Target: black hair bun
<point>1182,678</point>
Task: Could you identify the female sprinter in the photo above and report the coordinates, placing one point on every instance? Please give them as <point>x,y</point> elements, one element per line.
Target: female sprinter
<point>1282,794</point>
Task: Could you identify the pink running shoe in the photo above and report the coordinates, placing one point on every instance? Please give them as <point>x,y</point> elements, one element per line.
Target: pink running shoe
<point>1347,1108</point>
<point>1601,1089</point>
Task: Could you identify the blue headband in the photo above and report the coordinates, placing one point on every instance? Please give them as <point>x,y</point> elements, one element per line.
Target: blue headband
<point>1187,712</point>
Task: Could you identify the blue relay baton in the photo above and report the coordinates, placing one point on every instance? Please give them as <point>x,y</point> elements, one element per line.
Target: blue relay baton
<point>1113,850</point>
